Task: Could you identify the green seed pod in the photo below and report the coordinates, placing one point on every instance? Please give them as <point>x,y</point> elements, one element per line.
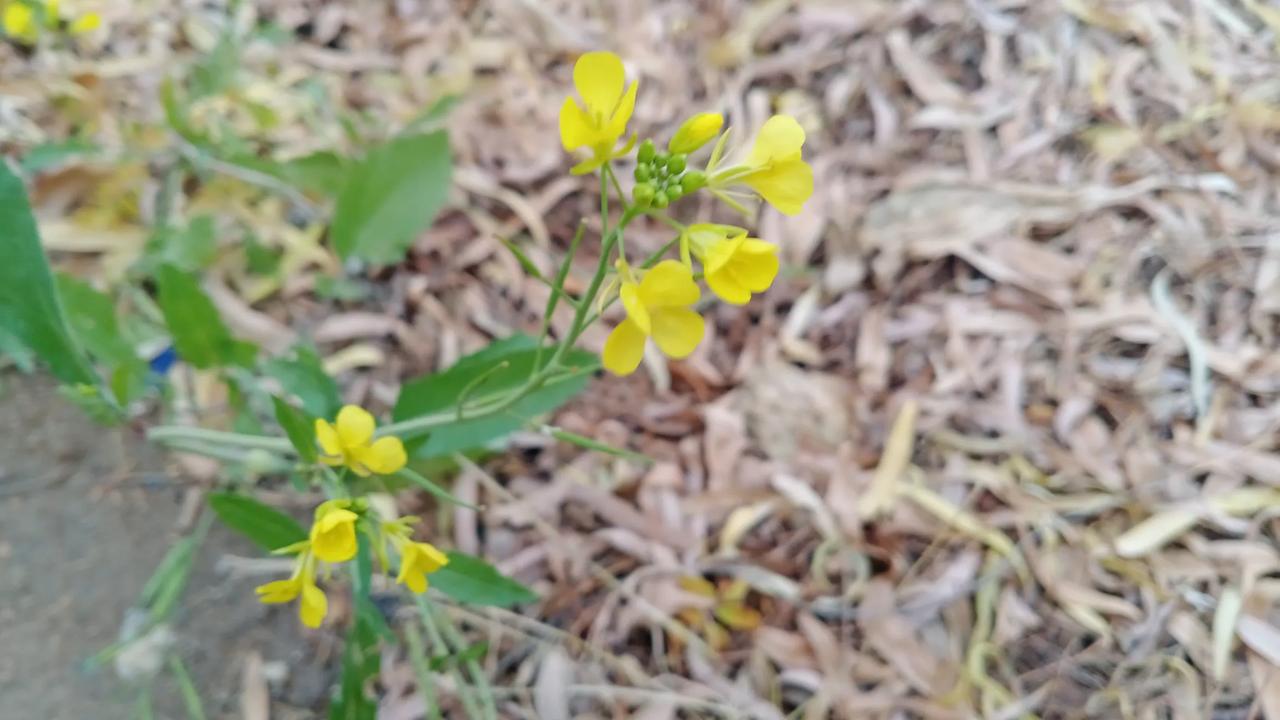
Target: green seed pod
<point>646,151</point>
<point>661,201</point>
<point>643,194</point>
<point>643,172</point>
<point>676,164</point>
<point>693,180</point>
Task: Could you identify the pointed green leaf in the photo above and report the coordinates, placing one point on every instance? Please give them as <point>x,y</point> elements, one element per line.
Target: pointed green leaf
<point>198,332</point>
<point>264,525</point>
<point>29,307</point>
<point>299,426</point>
<point>472,581</point>
<point>391,197</point>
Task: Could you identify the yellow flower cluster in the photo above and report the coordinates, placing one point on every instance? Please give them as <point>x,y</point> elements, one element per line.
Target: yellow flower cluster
<point>333,539</point>
<point>349,442</point>
<point>23,20</point>
<point>659,300</point>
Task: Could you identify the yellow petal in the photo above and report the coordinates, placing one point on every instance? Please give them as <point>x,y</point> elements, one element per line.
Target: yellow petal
<point>575,127</point>
<point>20,22</point>
<point>599,77</point>
<point>624,349</point>
<point>279,591</point>
<point>333,537</point>
<point>327,437</point>
<point>355,426</point>
<point>669,284</point>
<point>755,264</point>
<point>677,331</point>
<point>785,184</point>
<point>430,559</point>
<point>617,124</point>
<point>780,137</point>
<point>629,293</point>
<point>717,253</point>
<point>313,607</point>
<point>385,456</point>
<point>726,287</point>
<point>85,24</point>
<point>695,132</point>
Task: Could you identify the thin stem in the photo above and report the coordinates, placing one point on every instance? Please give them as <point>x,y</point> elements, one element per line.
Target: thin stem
<point>427,613</point>
<point>476,382</point>
<point>557,291</point>
<point>458,644</point>
<point>422,669</point>
<point>617,186</point>
<point>170,433</point>
<point>670,221</point>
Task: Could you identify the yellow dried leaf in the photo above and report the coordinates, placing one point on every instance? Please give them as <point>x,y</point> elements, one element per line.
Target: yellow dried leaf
<point>1155,532</point>
<point>1112,142</point>
<point>360,355</point>
<point>740,522</point>
<point>893,463</point>
<point>1224,627</point>
<point>737,616</point>
<point>697,586</point>
<point>1092,13</point>
<point>958,519</point>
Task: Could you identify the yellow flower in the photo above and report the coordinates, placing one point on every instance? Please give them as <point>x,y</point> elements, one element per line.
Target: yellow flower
<point>313,606</point>
<point>601,118</point>
<point>657,307</point>
<point>347,442</point>
<point>734,265</point>
<point>417,560</point>
<point>86,23</point>
<point>333,533</point>
<point>695,132</point>
<point>20,22</point>
<point>774,168</point>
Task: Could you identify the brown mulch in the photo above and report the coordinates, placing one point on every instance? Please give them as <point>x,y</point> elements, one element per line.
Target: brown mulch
<point>1001,442</point>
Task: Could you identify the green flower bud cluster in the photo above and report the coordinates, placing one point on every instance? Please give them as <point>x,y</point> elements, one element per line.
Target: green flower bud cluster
<point>663,177</point>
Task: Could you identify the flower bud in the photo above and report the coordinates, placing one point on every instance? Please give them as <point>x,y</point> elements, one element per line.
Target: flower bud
<point>643,172</point>
<point>646,151</point>
<point>693,180</point>
<point>643,194</point>
<point>695,132</point>
<point>676,164</point>
<point>660,201</point>
<point>661,159</point>
<point>674,193</point>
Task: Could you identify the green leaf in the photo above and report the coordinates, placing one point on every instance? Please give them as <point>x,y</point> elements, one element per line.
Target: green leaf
<point>264,525</point>
<point>299,426</point>
<point>129,381</point>
<point>29,308</point>
<point>323,172</point>
<point>440,392</point>
<point>89,398</point>
<point>362,590</point>
<point>191,248</point>
<point>391,196</point>
<point>472,581</point>
<point>53,154</point>
<point>304,377</point>
<point>340,288</point>
<point>198,332</point>
<point>91,315</point>
<point>360,661</point>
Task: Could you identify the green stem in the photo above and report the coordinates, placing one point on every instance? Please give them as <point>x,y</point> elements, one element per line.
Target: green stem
<point>423,669</point>
<point>170,433</point>
<point>557,291</point>
<point>476,382</point>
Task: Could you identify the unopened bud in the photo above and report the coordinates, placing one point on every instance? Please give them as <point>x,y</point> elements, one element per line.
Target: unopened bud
<point>696,132</point>
<point>676,164</point>
<point>643,194</point>
<point>660,201</point>
<point>693,180</point>
<point>643,172</point>
<point>674,193</point>
<point>646,151</point>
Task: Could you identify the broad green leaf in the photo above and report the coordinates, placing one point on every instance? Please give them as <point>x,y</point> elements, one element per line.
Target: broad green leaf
<point>198,332</point>
<point>91,315</point>
<point>472,581</point>
<point>29,307</point>
<point>391,196</point>
<point>299,426</point>
<point>303,376</point>
<point>439,393</point>
<point>264,525</point>
<point>12,348</point>
<point>129,381</point>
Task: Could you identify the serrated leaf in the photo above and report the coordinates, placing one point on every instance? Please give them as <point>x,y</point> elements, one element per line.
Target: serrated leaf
<point>303,376</point>
<point>440,393</point>
<point>30,310</point>
<point>472,581</point>
<point>269,528</point>
<point>198,332</point>
<point>299,426</point>
<point>391,196</point>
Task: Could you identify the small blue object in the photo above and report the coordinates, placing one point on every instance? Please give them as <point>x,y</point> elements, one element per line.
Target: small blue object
<point>161,363</point>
